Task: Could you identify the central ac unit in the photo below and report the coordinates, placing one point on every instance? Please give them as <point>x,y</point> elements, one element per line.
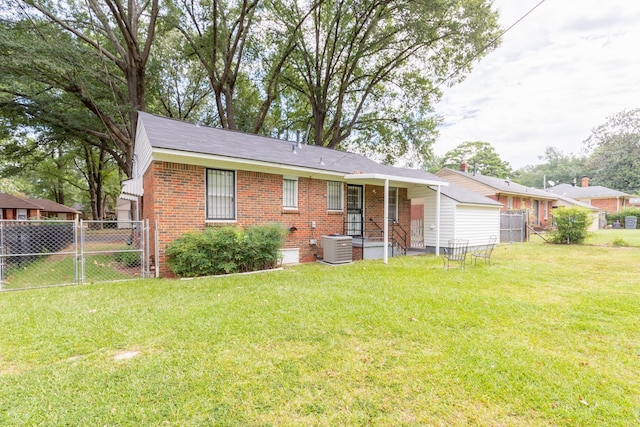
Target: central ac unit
<point>337,249</point>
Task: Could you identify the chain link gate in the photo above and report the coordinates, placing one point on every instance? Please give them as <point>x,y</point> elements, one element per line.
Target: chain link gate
<point>42,253</point>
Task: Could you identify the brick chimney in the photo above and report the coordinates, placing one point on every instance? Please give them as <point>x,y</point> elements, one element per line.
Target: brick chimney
<point>464,167</point>
<point>585,181</point>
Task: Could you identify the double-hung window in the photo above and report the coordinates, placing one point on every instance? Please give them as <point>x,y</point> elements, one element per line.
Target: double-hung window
<point>221,195</point>
<point>334,196</point>
<point>290,193</point>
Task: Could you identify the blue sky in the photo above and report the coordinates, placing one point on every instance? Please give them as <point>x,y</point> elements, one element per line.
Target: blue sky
<point>558,74</point>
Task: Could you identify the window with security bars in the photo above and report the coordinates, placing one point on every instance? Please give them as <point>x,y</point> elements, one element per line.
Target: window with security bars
<point>221,195</point>
<point>334,196</point>
<point>290,193</point>
<point>393,203</point>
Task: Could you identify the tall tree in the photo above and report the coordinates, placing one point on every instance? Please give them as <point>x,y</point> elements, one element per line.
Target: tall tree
<point>481,158</point>
<point>614,152</point>
<point>178,85</point>
<point>368,70</point>
<point>556,168</point>
<point>119,35</point>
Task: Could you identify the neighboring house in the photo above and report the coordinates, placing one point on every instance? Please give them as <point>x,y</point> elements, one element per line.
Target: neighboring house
<point>511,195</point>
<point>603,198</point>
<point>187,177</point>
<point>18,208</point>
<point>464,215</point>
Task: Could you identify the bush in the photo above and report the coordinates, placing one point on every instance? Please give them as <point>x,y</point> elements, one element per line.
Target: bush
<point>572,224</point>
<point>222,250</point>
<point>129,259</point>
<point>632,211</point>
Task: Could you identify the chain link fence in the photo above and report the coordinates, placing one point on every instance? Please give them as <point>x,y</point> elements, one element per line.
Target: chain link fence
<point>36,254</point>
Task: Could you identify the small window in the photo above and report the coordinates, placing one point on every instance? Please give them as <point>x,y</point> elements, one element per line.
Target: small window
<point>290,193</point>
<point>221,195</point>
<point>334,196</point>
<point>510,203</point>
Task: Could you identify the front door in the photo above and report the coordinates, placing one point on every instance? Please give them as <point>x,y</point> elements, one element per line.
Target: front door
<point>354,224</point>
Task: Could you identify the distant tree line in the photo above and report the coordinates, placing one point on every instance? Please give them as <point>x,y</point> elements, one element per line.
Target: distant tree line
<point>610,158</point>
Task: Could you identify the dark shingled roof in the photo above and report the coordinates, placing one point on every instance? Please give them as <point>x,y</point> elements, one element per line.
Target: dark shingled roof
<point>51,206</point>
<point>8,201</point>
<point>182,136</point>
<point>463,195</point>
<point>505,185</point>
<point>591,192</point>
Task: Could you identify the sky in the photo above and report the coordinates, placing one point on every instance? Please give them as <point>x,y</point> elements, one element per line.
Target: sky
<point>559,73</point>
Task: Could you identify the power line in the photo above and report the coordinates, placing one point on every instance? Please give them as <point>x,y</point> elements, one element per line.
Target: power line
<point>487,46</point>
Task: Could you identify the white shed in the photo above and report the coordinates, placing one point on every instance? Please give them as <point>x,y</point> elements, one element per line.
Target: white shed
<point>463,215</point>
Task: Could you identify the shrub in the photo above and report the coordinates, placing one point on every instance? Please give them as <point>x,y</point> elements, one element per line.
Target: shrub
<point>620,216</point>
<point>223,250</point>
<point>572,224</point>
<point>619,241</point>
<point>129,259</point>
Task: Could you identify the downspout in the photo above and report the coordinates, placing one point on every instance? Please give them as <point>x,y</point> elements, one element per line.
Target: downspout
<point>438,221</point>
<point>385,252</point>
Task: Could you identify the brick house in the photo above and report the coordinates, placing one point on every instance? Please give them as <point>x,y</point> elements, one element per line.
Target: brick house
<point>18,208</point>
<point>187,177</point>
<point>511,195</point>
<point>603,198</point>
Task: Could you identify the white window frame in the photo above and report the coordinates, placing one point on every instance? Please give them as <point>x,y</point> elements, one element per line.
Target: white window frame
<point>21,214</point>
<point>230,193</point>
<point>290,193</point>
<point>339,188</point>
<point>509,203</point>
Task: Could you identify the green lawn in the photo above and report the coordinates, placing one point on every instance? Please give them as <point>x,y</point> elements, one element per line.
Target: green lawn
<point>613,237</point>
<point>546,335</point>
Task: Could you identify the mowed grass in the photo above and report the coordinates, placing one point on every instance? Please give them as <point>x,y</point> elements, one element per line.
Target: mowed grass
<point>615,237</point>
<point>546,335</point>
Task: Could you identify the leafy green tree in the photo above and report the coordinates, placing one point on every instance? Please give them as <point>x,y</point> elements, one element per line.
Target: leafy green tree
<point>368,70</point>
<point>178,85</point>
<point>240,55</point>
<point>112,40</point>
<point>481,157</point>
<point>557,168</point>
<point>614,152</point>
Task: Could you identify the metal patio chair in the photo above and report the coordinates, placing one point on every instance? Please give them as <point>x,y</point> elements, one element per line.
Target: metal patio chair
<point>456,251</point>
<point>484,252</point>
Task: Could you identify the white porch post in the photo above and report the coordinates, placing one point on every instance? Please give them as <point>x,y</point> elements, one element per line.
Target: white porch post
<point>438,221</point>
<point>386,222</point>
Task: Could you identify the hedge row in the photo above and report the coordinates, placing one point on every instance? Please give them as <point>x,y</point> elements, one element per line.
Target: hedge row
<point>620,216</point>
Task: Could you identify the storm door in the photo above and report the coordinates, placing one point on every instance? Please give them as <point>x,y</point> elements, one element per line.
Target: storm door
<point>354,224</point>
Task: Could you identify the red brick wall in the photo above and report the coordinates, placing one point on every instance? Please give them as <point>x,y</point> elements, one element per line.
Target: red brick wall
<point>608,205</point>
<point>175,196</point>
<point>374,208</point>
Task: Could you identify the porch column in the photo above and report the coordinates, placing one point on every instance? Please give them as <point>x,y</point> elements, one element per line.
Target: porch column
<point>438,220</point>
<point>385,251</point>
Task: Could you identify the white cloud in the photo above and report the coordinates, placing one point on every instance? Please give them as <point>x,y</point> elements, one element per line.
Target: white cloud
<point>558,74</point>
